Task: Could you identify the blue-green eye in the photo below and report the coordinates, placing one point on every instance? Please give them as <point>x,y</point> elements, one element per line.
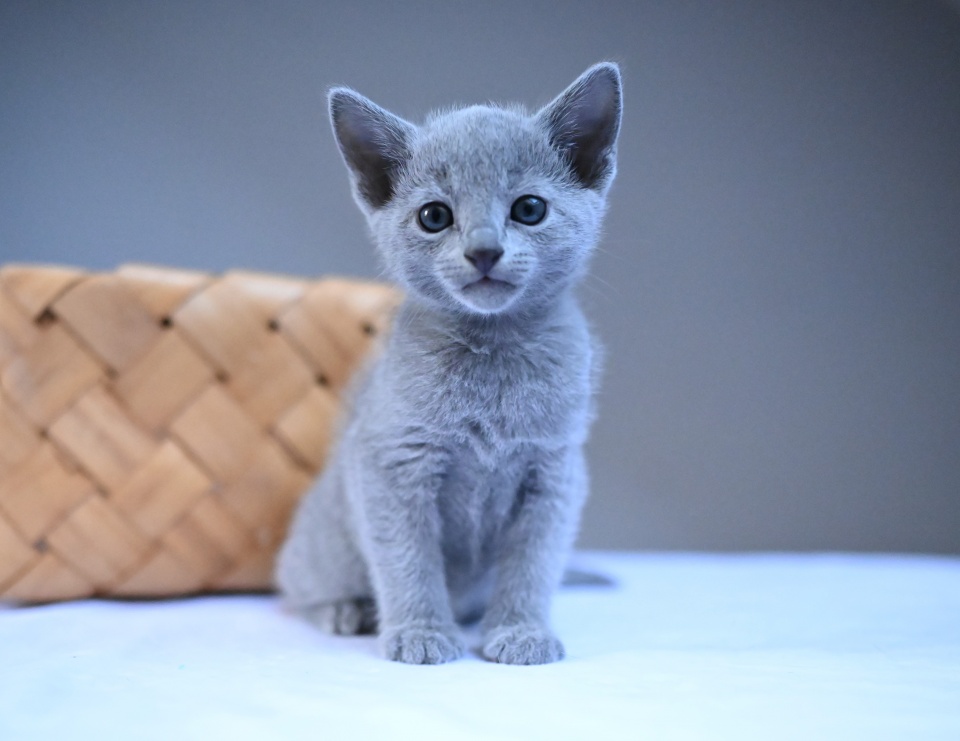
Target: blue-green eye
<point>528,210</point>
<point>435,216</point>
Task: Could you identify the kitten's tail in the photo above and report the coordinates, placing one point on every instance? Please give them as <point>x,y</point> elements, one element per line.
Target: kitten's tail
<point>577,577</point>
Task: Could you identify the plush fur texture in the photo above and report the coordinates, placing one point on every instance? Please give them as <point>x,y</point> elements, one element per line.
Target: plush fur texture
<point>456,487</point>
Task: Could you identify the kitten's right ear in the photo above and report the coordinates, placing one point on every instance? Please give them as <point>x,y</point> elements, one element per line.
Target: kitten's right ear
<point>374,144</point>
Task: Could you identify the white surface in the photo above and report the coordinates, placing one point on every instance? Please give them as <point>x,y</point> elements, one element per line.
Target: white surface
<point>685,647</point>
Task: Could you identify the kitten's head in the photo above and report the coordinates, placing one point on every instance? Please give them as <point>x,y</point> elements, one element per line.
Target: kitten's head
<point>485,209</point>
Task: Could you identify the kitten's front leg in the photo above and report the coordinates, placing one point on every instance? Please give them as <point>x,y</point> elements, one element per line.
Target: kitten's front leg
<point>533,555</point>
<point>398,485</point>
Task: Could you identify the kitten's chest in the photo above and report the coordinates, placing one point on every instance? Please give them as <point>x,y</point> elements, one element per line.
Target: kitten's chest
<point>516,396</point>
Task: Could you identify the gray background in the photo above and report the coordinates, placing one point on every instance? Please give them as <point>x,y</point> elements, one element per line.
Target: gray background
<point>779,288</point>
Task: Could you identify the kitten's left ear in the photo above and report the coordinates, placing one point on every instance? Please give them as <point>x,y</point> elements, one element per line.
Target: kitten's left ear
<point>583,122</point>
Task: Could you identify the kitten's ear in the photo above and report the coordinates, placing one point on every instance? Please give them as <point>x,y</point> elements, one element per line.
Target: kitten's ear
<point>374,144</point>
<point>583,122</point>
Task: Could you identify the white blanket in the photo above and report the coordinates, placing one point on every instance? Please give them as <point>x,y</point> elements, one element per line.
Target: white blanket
<point>683,647</point>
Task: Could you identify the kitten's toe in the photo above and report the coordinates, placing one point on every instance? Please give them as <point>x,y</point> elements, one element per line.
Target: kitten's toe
<point>522,644</point>
<point>419,644</point>
<point>345,617</point>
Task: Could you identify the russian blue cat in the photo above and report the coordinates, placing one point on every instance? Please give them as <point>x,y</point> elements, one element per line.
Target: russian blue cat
<point>455,489</point>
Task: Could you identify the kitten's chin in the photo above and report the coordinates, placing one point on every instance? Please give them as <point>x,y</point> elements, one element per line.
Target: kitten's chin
<point>487,295</point>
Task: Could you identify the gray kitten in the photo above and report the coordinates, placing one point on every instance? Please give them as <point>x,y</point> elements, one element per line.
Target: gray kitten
<point>456,487</point>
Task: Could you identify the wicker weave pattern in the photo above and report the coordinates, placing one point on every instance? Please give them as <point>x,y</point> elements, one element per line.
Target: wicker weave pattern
<point>158,426</point>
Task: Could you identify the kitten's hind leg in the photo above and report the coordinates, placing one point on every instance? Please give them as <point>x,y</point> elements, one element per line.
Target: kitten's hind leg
<point>320,571</point>
<point>345,617</point>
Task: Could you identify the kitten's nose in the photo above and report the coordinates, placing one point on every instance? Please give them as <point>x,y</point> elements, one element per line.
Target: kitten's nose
<point>484,251</point>
<point>483,258</point>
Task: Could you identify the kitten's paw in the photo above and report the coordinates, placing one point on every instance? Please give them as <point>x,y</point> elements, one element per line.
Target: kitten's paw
<point>419,644</point>
<point>522,644</point>
<point>345,617</point>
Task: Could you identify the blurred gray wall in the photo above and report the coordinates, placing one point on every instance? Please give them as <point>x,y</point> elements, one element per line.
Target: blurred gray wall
<point>779,287</point>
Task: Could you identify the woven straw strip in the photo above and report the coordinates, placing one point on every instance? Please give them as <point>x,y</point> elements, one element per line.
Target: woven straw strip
<point>158,426</point>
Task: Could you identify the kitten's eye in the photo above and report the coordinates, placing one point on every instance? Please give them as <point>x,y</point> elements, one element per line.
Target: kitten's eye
<point>528,210</point>
<point>435,217</point>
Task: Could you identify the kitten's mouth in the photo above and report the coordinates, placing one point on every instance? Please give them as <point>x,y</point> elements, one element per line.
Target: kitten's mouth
<point>488,281</point>
<point>488,294</point>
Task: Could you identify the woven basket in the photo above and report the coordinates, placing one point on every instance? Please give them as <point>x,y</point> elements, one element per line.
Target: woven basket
<point>158,426</point>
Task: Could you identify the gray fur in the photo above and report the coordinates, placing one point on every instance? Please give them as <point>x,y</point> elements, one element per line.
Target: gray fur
<point>455,489</point>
